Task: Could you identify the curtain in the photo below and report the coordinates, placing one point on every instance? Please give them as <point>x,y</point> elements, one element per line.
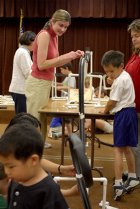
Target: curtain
<point>77,8</point>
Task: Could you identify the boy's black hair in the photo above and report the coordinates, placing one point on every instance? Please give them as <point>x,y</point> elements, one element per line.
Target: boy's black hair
<point>68,65</point>
<point>115,58</point>
<point>27,38</point>
<point>21,141</point>
<point>24,118</point>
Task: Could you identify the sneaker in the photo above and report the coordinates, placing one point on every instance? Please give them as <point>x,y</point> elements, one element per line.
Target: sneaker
<point>47,145</point>
<point>118,191</point>
<point>56,135</point>
<point>131,184</point>
<point>54,130</point>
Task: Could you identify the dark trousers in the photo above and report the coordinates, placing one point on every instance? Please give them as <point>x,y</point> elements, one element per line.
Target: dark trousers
<point>20,102</point>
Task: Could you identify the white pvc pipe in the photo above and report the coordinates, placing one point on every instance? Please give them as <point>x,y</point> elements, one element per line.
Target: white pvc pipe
<point>101,179</point>
<point>104,83</point>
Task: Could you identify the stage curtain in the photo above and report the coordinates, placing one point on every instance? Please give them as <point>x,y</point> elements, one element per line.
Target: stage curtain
<point>77,8</point>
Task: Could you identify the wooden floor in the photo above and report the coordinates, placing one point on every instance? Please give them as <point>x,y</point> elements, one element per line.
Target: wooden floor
<point>103,158</point>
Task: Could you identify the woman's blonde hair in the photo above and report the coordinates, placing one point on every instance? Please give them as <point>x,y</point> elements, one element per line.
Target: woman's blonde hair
<point>59,15</point>
<point>135,26</point>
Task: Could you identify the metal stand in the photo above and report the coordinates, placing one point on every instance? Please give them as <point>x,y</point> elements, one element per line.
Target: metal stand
<point>83,173</point>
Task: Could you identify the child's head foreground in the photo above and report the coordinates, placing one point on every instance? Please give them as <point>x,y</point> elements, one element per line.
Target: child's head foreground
<point>24,117</point>
<point>21,148</point>
<point>113,63</point>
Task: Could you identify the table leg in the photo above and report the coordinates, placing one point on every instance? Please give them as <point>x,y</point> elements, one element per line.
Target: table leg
<point>43,119</point>
<point>63,141</point>
<point>92,147</point>
<point>92,141</point>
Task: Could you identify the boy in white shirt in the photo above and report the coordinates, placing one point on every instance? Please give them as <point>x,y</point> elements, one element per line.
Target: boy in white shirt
<point>55,130</point>
<point>121,103</point>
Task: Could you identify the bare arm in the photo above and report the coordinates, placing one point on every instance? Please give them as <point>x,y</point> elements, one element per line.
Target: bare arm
<point>43,42</point>
<point>67,170</point>
<point>73,191</point>
<point>109,106</point>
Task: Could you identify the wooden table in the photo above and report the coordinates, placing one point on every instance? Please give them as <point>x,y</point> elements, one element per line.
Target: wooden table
<point>58,108</point>
<point>7,112</point>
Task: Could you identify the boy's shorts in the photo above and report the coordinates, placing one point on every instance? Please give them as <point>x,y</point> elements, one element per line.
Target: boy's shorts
<point>126,128</point>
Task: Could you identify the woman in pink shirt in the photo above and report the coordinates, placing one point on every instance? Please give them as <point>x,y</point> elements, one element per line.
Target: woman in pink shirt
<point>45,59</point>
